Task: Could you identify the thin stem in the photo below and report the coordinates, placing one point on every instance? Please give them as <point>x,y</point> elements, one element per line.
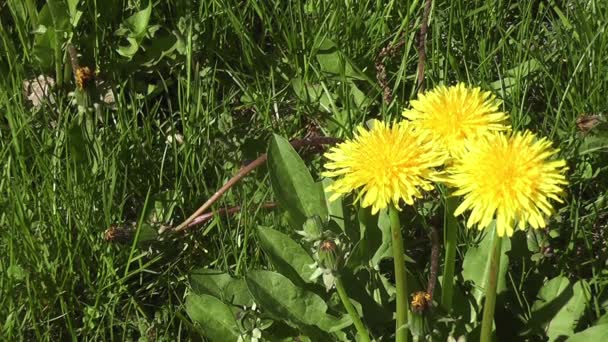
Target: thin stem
<point>401,328</point>
<point>224,212</point>
<point>490,303</point>
<point>430,289</point>
<point>361,330</point>
<point>451,240</point>
<point>422,44</point>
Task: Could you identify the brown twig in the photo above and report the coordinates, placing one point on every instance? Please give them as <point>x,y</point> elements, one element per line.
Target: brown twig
<point>430,286</point>
<point>73,58</point>
<point>224,212</point>
<point>312,141</point>
<point>421,84</point>
<point>422,44</point>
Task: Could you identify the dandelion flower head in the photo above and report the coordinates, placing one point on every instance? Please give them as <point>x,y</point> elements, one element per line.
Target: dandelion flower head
<point>454,114</point>
<point>384,165</point>
<point>510,178</point>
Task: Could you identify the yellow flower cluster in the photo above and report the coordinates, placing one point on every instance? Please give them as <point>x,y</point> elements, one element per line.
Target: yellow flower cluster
<point>502,175</point>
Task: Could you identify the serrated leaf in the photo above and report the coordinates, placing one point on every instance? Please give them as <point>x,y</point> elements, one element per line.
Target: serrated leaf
<point>596,333</point>
<point>476,264</point>
<point>292,183</point>
<point>279,297</point>
<point>375,243</point>
<point>559,306</point>
<point>216,318</point>
<point>289,257</point>
<point>129,50</point>
<point>594,144</point>
<point>385,249</point>
<point>138,22</point>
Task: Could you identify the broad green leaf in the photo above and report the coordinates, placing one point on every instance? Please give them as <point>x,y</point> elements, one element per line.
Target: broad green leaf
<point>138,22</point>
<point>334,62</point>
<point>367,237</point>
<point>361,100</point>
<point>476,264</point>
<point>559,306</point>
<point>289,257</point>
<point>237,293</point>
<point>72,6</point>
<point>134,28</point>
<point>332,324</point>
<point>220,285</point>
<point>216,318</point>
<point>524,68</point>
<point>340,214</point>
<point>164,46</point>
<point>535,239</point>
<point>147,234</point>
<point>209,281</point>
<point>596,333</point>
<point>292,183</point>
<point>60,16</point>
<point>512,77</point>
<point>594,143</point>
<point>279,297</point>
<point>375,243</point>
<point>129,50</point>
<point>375,312</point>
<point>54,27</point>
<point>602,320</point>
<point>384,250</point>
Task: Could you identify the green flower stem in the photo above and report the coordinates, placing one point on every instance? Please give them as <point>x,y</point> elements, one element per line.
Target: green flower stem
<point>361,330</point>
<point>401,329</point>
<point>490,303</point>
<point>451,240</point>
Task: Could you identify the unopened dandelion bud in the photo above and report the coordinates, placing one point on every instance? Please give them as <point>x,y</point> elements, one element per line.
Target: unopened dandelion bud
<point>329,255</point>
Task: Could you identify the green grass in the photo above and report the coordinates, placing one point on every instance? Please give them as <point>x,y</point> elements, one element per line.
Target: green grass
<point>240,74</point>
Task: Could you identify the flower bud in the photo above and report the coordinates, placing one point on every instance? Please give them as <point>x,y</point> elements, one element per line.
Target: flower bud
<point>329,255</point>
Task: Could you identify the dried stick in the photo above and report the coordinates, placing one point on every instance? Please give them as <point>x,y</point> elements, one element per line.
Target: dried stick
<point>434,261</point>
<point>243,172</point>
<point>73,58</point>
<point>225,212</point>
<point>422,44</point>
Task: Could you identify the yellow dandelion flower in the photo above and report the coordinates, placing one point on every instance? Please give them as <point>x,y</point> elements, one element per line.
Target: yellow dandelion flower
<point>509,178</point>
<point>385,164</point>
<point>454,114</point>
<point>421,300</point>
<point>84,76</point>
